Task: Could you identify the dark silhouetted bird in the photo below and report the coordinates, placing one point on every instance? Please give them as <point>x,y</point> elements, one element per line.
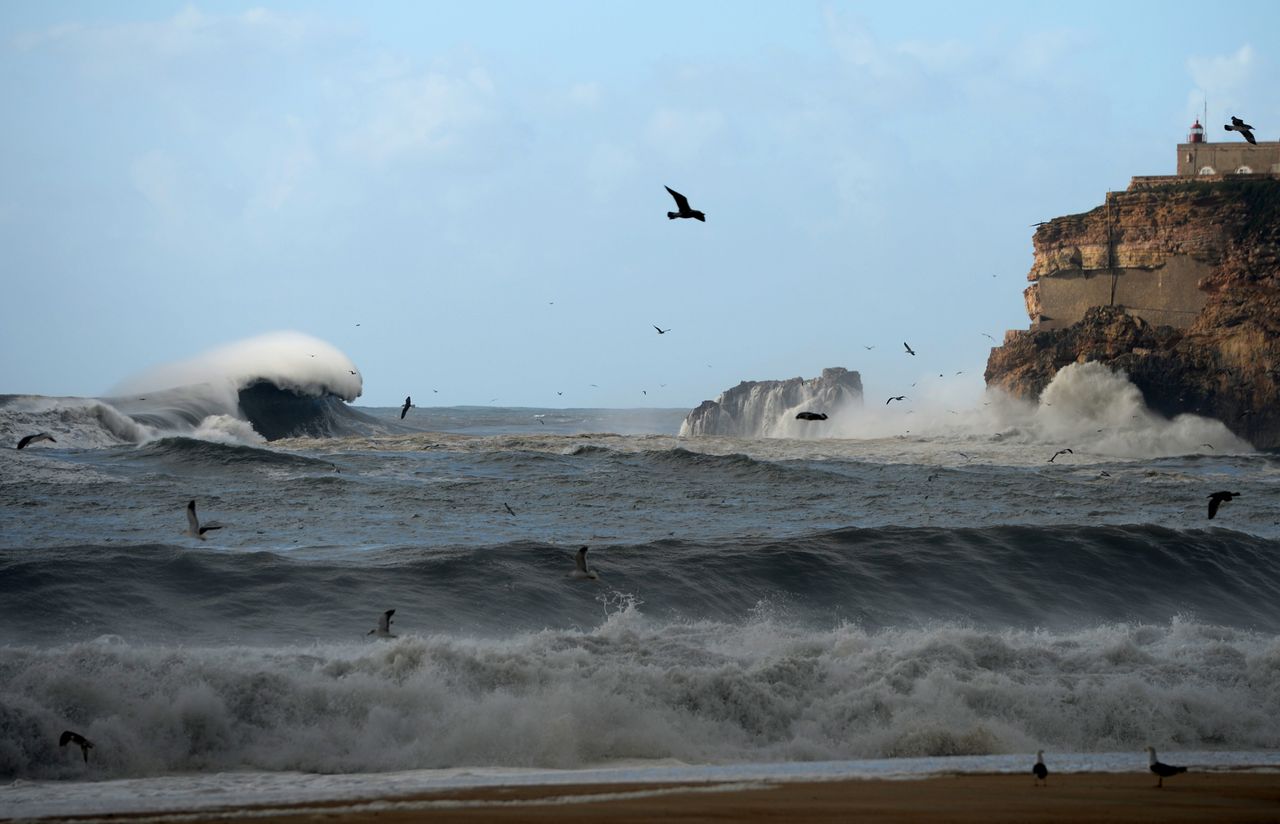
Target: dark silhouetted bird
<point>1162,770</point>
<point>69,737</point>
<point>910,351</point>
<point>682,203</point>
<point>1238,125</point>
<point>1217,499</point>
<point>1060,452</point>
<point>1039,770</point>
<point>405,409</point>
<point>660,330</point>
<point>510,511</point>
<point>193,523</point>
<point>895,398</point>
<point>27,440</point>
<point>811,416</point>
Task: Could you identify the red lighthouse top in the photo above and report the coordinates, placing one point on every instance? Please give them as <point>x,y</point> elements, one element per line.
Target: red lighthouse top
<point>1197,133</point>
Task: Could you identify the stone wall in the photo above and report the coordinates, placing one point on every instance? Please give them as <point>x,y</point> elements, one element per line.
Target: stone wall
<point>1228,158</point>
<point>1166,295</point>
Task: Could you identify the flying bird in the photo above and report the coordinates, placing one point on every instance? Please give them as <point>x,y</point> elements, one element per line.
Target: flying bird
<point>661,331</point>
<point>404,409</point>
<point>580,570</point>
<point>30,439</point>
<point>986,335</point>
<point>383,629</point>
<point>869,348</point>
<point>510,511</point>
<point>1217,499</point>
<point>69,737</point>
<point>1060,452</point>
<point>895,398</point>
<point>1039,770</point>
<point>811,416</point>
<point>910,351</point>
<point>1162,770</point>
<point>682,203</point>
<point>1238,125</point>
<point>193,523</point>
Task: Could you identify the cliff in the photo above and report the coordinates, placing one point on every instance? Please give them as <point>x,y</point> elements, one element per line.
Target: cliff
<point>768,408</point>
<point>1178,285</point>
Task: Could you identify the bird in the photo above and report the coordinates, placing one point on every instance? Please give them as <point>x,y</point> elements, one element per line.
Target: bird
<point>1161,769</point>
<point>580,570</point>
<point>510,511</point>
<point>811,416</point>
<point>1060,452</point>
<point>1217,499</point>
<point>661,331</point>
<point>1238,125</point>
<point>895,398</point>
<point>682,203</point>
<point>30,439</point>
<point>988,336</point>
<point>869,348</point>
<point>193,523</point>
<point>405,409</point>
<point>69,737</point>
<point>1039,770</point>
<point>1209,445</point>
<point>910,351</point>
<point>384,625</point>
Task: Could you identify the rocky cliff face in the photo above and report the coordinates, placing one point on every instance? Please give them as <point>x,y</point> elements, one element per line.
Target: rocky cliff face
<point>768,408</point>
<point>1226,363</point>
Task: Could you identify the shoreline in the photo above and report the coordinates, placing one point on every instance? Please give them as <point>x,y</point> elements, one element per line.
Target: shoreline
<point>1226,796</point>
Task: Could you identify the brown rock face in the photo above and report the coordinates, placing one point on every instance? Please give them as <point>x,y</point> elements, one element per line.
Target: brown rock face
<point>1226,363</point>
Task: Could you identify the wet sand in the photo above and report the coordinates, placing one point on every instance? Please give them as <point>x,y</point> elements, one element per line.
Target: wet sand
<point>1094,797</point>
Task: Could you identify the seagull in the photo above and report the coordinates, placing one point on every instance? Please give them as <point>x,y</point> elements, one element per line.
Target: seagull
<point>404,409</point>
<point>69,737</point>
<point>30,439</point>
<point>682,203</point>
<point>986,335</point>
<point>1162,770</point>
<point>910,351</point>
<point>1238,125</point>
<point>1039,770</point>
<point>1060,452</point>
<point>1208,445</point>
<point>895,398</point>
<point>580,570</point>
<point>811,416</point>
<point>1217,499</point>
<point>661,331</point>
<point>510,511</point>
<point>193,523</point>
<point>384,625</point>
<point>869,348</point>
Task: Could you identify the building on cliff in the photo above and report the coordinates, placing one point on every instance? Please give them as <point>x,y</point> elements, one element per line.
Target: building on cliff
<point>1174,281</point>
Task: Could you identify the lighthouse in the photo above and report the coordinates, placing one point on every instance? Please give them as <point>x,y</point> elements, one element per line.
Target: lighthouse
<point>1196,135</point>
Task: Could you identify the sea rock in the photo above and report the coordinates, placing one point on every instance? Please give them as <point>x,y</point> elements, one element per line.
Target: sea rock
<point>1209,346</point>
<point>768,408</point>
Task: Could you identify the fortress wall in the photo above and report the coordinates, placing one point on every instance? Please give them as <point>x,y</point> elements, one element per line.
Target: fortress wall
<point>1167,295</point>
<point>1225,158</point>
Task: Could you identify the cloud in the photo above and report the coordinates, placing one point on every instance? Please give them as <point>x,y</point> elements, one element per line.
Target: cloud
<point>1226,81</point>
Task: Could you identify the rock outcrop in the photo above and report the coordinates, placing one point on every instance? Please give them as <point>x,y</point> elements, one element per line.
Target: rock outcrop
<point>1222,361</point>
<point>768,408</point>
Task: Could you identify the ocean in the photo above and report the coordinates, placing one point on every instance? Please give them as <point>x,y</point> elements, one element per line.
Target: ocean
<point>897,590</point>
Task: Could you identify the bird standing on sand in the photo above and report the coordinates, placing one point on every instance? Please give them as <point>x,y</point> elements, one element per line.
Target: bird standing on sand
<point>69,737</point>
<point>1039,770</point>
<point>1217,499</point>
<point>811,416</point>
<point>895,398</point>
<point>1162,770</point>
<point>383,629</point>
<point>408,402</point>
<point>1060,452</point>
<point>1238,125</point>
<point>193,523</point>
<point>682,203</point>
<point>580,570</point>
<point>30,439</point>
<point>910,351</point>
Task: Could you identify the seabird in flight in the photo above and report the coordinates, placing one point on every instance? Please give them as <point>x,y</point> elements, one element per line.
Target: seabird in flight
<point>580,570</point>
<point>1039,770</point>
<point>910,351</point>
<point>682,203</point>
<point>661,331</point>
<point>1217,499</point>
<point>69,737</point>
<point>510,511</point>
<point>193,523</point>
<point>1060,452</point>
<point>811,416</point>
<point>1162,770</point>
<point>30,439</point>
<point>384,625</point>
<point>1238,125</point>
<point>895,398</point>
<point>405,409</point>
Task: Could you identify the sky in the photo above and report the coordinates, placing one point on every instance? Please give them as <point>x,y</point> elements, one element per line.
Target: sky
<point>467,198</point>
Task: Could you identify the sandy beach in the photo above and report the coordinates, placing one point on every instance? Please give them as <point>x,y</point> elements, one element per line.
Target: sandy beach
<point>1095,797</point>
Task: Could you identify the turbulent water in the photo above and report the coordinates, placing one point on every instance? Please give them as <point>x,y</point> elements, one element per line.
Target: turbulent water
<point>920,581</point>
